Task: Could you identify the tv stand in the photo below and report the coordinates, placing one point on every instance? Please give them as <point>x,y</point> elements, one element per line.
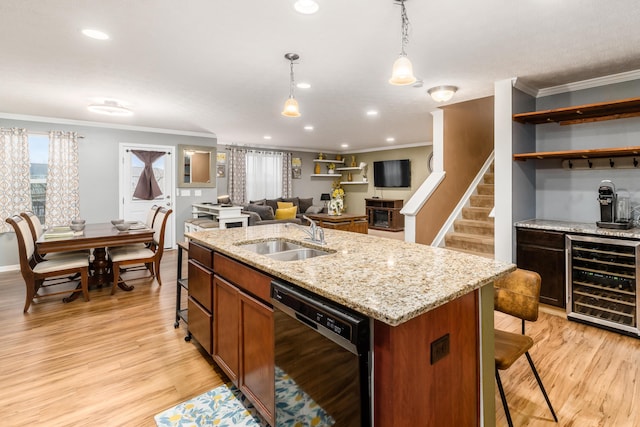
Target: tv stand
<point>384,214</point>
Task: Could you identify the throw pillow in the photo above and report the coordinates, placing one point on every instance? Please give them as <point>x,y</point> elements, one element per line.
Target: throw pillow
<point>305,203</point>
<point>284,205</point>
<point>314,209</point>
<point>258,202</point>
<point>224,200</point>
<point>273,203</point>
<point>286,213</point>
<point>293,200</point>
<point>265,212</point>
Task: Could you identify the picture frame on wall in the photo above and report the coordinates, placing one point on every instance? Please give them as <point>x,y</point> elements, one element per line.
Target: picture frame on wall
<point>220,171</point>
<point>296,168</point>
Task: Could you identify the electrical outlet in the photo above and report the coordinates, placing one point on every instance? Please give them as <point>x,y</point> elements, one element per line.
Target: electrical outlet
<point>439,348</point>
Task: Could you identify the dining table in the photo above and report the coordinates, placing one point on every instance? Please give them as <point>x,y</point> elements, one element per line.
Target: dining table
<point>96,237</point>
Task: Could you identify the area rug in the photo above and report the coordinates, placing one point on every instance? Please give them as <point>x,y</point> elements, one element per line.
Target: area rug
<point>223,406</point>
<point>226,406</point>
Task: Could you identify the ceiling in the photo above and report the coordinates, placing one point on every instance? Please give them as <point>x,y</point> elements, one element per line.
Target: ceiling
<point>212,66</point>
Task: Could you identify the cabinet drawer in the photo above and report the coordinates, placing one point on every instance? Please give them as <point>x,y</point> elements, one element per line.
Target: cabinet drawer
<point>548,239</point>
<point>200,324</point>
<point>201,284</point>
<point>244,277</point>
<point>201,254</point>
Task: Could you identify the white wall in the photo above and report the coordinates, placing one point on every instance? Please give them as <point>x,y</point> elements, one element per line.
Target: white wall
<point>98,152</point>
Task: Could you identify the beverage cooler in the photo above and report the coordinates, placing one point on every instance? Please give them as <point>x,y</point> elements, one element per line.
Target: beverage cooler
<point>601,282</point>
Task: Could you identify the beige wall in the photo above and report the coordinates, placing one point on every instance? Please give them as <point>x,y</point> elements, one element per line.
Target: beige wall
<point>468,141</point>
<point>356,193</point>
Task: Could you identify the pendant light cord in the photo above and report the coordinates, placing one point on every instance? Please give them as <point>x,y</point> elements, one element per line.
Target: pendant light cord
<point>405,28</point>
<point>291,81</point>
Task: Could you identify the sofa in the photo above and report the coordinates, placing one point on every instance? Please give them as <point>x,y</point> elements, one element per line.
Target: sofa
<point>264,211</point>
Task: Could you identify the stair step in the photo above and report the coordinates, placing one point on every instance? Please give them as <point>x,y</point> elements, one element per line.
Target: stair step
<point>482,201</point>
<point>482,254</point>
<point>477,213</point>
<point>469,226</point>
<point>472,242</point>
<point>485,189</point>
<point>488,178</point>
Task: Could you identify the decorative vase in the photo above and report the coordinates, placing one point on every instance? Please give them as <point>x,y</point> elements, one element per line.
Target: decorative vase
<point>330,171</point>
<point>349,177</point>
<point>336,205</point>
<point>338,157</point>
<point>353,162</point>
<point>320,156</point>
<point>317,169</point>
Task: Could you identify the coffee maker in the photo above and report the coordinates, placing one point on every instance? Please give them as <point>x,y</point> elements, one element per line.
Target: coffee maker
<point>614,209</point>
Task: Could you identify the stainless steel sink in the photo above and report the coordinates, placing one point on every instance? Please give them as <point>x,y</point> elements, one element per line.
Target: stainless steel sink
<point>283,250</point>
<point>271,246</point>
<point>297,254</point>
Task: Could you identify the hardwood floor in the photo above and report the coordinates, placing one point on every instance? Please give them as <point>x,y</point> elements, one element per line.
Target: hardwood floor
<point>592,376</point>
<point>113,361</point>
<point>117,361</point>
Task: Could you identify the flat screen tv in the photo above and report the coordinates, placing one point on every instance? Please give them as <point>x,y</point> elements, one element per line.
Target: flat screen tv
<point>392,173</point>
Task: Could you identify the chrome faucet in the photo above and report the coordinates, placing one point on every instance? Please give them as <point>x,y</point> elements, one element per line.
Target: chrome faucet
<point>315,233</point>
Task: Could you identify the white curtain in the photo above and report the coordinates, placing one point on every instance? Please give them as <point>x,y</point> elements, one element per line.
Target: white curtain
<point>63,182</point>
<point>15,185</point>
<point>264,175</point>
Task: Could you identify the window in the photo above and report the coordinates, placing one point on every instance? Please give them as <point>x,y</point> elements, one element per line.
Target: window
<point>38,159</point>
<point>264,175</point>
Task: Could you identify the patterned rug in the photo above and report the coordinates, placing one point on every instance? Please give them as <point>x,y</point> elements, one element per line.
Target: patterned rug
<point>226,406</point>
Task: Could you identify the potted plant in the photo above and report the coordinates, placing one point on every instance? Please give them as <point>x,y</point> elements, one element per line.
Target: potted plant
<point>331,167</point>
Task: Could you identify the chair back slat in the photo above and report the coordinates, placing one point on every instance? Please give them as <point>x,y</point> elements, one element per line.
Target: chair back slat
<point>26,245</point>
<point>517,294</point>
<point>151,215</point>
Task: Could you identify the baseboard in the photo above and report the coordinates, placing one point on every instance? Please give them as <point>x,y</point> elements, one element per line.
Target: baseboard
<point>15,267</point>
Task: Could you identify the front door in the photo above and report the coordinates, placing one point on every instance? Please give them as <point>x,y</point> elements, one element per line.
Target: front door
<point>135,209</point>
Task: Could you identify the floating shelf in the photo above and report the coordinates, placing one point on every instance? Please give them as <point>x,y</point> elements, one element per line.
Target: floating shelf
<point>349,168</point>
<point>354,182</point>
<point>325,175</point>
<point>329,161</point>
<point>601,111</point>
<point>597,153</point>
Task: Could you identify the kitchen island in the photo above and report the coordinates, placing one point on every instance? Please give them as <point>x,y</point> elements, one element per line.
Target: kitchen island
<point>415,295</point>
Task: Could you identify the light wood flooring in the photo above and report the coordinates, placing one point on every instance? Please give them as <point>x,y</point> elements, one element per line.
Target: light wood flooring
<point>117,361</point>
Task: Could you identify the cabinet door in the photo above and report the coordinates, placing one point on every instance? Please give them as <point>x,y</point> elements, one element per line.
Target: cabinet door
<point>543,252</point>
<point>226,331</point>
<point>257,355</point>
<point>199,324</point>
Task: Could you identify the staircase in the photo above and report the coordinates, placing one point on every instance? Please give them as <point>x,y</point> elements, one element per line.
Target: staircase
<point>474,232</point>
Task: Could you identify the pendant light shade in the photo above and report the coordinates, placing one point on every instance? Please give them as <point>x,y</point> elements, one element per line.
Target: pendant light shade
<point>291,108</point>
<point>402,73</point>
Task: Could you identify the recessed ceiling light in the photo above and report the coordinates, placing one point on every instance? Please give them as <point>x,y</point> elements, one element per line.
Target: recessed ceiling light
<point>372,113</point>
<point>267,137</point>
<point>95,34</point>
<point>110,108</point>
<point>308,127</point>
<point>307,7</point>
<point>391,139</point>
<point>344,145</point>
<point>303,85</point>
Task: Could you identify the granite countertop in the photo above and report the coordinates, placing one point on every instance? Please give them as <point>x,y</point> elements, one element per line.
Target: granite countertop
<point>389,280</point>
<point>579,228</point>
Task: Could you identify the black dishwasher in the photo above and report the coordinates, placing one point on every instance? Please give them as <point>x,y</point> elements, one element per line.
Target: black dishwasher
<point>322,355</point>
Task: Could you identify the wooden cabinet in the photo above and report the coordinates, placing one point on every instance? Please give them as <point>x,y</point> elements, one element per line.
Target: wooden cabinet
<point>544,252</point>
<point>243,341</point>
<point>345,222</point>
<point>200,301</point>
<point>384,214</point>
<point>582,114</point>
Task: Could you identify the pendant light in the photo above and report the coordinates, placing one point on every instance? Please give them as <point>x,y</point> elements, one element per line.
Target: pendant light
<point>291,105</point>
<point>402,73</point>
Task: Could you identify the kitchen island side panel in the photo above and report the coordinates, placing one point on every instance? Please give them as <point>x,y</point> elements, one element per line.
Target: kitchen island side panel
<point>409,389</point>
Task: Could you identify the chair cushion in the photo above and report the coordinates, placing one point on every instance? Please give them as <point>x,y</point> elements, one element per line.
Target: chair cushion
<point>61,263</point>
<point>126,253</point>
<point>286,213</point>
<point>509,347</point>
<point>265,212</point>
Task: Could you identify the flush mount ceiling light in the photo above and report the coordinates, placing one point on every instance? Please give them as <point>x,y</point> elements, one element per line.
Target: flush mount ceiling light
<point>402,73</point>
<point>291,105</point>
<point>442,93</point>
<point>303,85</point>
<point>307,7</point>
<point>308,128</point>
<point>95,34</point>
<point>110,108</point>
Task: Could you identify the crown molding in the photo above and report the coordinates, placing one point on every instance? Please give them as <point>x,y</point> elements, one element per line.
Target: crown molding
<point>56,120</point>
<point>591,83</point>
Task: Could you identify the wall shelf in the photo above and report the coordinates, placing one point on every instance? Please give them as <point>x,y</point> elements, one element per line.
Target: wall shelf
<point>601,111</point>
<point>327,175</point>
<point>596,153</point>
<point>349,168</point>
<point>354,182</point>
<point>328,161</point>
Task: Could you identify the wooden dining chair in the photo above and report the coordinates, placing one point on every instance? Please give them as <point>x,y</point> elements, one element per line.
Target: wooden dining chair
<point>151,256</point>
<point>517,294</point>
<point>37,230</point>
<point>35,272</point>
